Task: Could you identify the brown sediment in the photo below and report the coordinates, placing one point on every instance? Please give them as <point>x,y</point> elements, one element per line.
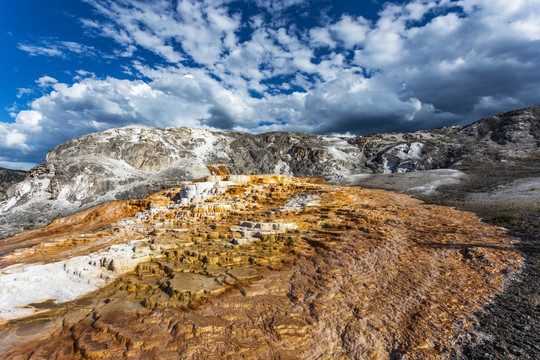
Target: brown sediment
<point>218,170</point>
<point>85,221</point>
<point>367,274</point>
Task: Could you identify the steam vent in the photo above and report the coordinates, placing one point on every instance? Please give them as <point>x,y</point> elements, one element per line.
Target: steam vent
<point>251,267</point>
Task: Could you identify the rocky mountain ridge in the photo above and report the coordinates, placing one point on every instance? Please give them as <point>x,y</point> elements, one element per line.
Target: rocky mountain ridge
<point>134,161</point>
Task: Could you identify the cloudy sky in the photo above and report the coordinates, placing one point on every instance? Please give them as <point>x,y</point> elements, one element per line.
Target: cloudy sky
<point>71,67</point>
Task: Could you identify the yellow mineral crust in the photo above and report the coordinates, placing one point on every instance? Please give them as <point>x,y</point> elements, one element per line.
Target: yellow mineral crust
<point>263,267</point>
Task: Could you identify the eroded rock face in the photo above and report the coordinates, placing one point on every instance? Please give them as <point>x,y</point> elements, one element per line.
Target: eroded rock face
<point>8,178</point>
<point>328,272</point>
<point>518,128</point>
<point>134,161</point>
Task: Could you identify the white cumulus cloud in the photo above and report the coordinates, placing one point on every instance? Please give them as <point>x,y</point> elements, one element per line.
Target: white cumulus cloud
<point>419,64</point>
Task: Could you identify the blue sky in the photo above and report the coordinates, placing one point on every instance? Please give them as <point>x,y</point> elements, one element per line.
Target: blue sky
<point>71,67</point>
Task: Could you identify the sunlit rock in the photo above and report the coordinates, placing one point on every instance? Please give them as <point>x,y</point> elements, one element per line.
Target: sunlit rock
<point>267,267</point>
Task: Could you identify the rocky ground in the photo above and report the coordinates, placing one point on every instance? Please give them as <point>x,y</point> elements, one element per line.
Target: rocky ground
<point>506,195</point>
<point>264,267</point>
<point>503,192</point>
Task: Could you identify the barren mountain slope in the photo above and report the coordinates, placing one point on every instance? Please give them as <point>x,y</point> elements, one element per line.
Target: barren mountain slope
<point>135,161</point>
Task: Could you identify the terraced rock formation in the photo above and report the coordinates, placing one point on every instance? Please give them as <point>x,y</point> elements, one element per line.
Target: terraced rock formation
<point>251,267</point>
<point>134,161</point>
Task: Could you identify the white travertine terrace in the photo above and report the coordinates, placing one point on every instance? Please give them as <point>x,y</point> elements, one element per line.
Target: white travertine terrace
<point>200,191</point>
<point>301,202</point>
<point>22,285</point>
<point>239,179</point>
<point>251,230</point>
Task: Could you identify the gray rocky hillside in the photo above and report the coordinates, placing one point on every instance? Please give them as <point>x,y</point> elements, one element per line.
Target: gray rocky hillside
<point>134,161</point>
<point>9,177</point>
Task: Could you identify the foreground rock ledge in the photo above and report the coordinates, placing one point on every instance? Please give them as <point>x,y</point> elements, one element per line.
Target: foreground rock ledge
<point>254,267</point>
